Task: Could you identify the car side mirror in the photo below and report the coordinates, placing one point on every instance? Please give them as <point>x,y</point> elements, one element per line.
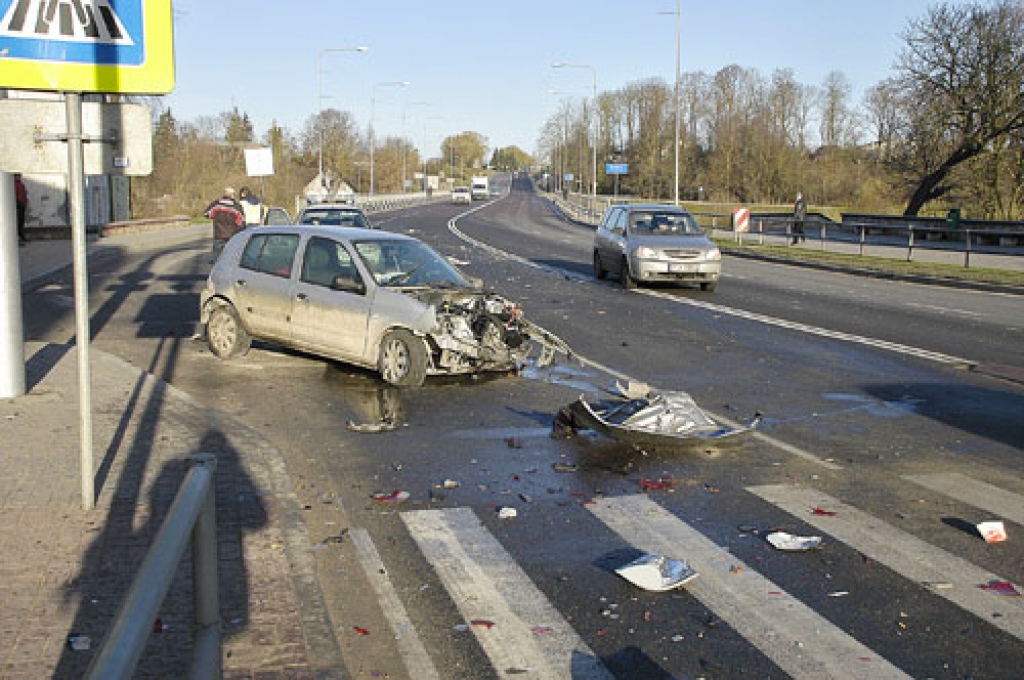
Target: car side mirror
<point>348,284</point>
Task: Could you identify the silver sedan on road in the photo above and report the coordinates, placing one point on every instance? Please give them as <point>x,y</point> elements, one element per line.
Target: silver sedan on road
<point>366,297</point>
<point>647,243</point>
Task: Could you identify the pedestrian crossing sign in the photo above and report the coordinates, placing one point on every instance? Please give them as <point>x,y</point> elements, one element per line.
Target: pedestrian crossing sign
<point>116,46</point>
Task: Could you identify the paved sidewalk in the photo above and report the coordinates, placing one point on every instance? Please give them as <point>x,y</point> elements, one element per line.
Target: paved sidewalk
<point>64,571</point>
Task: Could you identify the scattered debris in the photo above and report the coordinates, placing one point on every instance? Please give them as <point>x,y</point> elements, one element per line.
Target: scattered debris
<point>158,625</point>
<point>938,585</point>
<point>786,541</point>
<point>79,643</point>
<point>653,418</point>
<point>525,498</point>
<point>514,442</point>
<point>542,630</point>
<point>393,498</point>
<point>657,572</point>
<point>482,623</point>
<point>992,532</point>
<point>565,467</point>
<point>360,631</point>
<point>386,425</point>
<point>449,484</point>
<point>736,569</point>
<point>660,484</point>
<point>340,538</point>
<point>1001,588</point>
<point>821,512</point>
<point>507,513</point>
<point>839,593</point>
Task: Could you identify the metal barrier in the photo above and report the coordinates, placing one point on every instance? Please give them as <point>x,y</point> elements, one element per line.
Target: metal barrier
<point>191,514</point>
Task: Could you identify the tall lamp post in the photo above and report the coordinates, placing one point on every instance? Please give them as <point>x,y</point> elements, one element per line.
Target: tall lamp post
<point>373,111</point>
<point>425,120</point>
<point>679,30</point>
<point>405,151</point>
<point>593,71</point>
<point>320,97</point>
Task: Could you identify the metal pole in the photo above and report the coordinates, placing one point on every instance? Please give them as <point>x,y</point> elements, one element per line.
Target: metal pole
<point>679,29</point>
<point>83,334</point>
<point>206,598</point>
<point>967,252</point>
<point>12,346</point>
<point>373,139</point>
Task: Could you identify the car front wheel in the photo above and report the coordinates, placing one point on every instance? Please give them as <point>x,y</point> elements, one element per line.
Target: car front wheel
<point>403,359</point>
<point>599,271</point>
<point>225,333</point>
<point>628,282</point>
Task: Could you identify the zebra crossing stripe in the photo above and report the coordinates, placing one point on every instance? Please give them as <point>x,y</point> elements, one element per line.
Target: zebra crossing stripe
<point>903,553</point>
<point>414,654</point>
<point>1003,504</point>
<point>799,640</point>
<point>490,589</point>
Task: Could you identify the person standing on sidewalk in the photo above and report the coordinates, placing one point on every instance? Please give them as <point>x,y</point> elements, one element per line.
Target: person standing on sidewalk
<point>799,215</point>
<point>226,214</point>
<point>252,210</point>
<point>21,198</point>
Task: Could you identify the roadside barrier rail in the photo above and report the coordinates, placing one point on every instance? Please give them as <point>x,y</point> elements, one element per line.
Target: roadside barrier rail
<point>192,515</point>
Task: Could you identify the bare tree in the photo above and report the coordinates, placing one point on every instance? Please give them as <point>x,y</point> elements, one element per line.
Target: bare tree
<point>963,69</point>
<point>836,118</point>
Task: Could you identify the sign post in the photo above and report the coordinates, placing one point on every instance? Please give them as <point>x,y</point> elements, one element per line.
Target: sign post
<point>616,169</point>
<point>87,46</point>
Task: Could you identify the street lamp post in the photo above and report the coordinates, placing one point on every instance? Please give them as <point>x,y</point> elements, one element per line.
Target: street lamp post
<point>425,120</point>
<point>320,98</point>
<point>679,30</point>
<point>405,151</point>
<point>373,110</point>
<point>593,72</point>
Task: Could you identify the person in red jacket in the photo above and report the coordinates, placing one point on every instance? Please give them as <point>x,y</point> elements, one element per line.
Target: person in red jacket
<point>21,198</point>
<point>226,214</point>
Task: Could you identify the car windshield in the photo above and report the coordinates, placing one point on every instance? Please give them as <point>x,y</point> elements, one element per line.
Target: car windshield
<point>397,264</point>
<point>334,217</point>
<point>664,224</point>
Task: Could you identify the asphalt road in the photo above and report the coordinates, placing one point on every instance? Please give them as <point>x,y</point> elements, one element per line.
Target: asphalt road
<point>871,412</point>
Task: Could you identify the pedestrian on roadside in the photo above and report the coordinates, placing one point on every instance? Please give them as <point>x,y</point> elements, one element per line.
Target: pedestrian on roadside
<point>226,214</point>
<point>799,215</point>
<point>21,198</point>
<point>252,210</point>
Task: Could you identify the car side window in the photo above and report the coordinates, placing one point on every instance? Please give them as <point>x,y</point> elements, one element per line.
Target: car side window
<point>619,227</point>
<point>270,254</point>
<point>326,259</point>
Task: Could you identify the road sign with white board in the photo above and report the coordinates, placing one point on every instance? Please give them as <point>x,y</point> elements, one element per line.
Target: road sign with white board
<point>120,137</point>
<point>116,46</point>
<point>616,168</point>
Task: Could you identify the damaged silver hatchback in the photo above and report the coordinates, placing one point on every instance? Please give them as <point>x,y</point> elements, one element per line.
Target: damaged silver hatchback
<point>370,298</point>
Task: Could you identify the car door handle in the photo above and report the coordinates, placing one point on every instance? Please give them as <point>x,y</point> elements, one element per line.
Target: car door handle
<point>241,282</point>
<point>302,296</point>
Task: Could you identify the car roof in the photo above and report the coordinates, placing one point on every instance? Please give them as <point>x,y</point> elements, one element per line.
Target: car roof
<point>333,206</point>
<point>661,207</point>
<point>346,233</point>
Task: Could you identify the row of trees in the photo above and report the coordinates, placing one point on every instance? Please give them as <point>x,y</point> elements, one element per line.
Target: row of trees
<point>194,161</point>
<point>946,128</point>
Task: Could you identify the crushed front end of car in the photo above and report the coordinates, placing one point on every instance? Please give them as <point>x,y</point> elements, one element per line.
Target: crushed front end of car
<point>476,331</point>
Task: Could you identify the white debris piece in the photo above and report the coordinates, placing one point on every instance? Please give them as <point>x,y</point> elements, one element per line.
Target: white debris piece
<point>657,572</point>
<point>786,541</point>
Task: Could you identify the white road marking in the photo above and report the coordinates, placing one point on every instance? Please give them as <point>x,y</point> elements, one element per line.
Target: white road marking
<point>903,553</point>
<point>920,353</point>
<point>1003,504</point>
<point>948,310</point>
<point>515,624</point>
<point>414,655</point>
<point>799,640</point>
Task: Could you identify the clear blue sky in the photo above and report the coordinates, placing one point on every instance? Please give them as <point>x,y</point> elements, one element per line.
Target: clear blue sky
<point>486,66</point>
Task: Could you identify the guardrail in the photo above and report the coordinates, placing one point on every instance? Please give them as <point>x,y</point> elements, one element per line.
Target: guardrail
<point>962,244</point>
<point>192,514</point>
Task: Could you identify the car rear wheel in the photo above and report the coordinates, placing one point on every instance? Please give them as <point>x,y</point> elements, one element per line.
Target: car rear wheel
<point>225,333</point>
<point>628,282</point>
<point>599,271</point>
<point>403,359</point>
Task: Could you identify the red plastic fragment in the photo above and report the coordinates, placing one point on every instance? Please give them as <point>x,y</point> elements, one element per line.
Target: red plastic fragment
<point>824,513</point>
<point>360,631</point>
<point>660,484</point>
<point>1001,588</point>
<point>483,623</point>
